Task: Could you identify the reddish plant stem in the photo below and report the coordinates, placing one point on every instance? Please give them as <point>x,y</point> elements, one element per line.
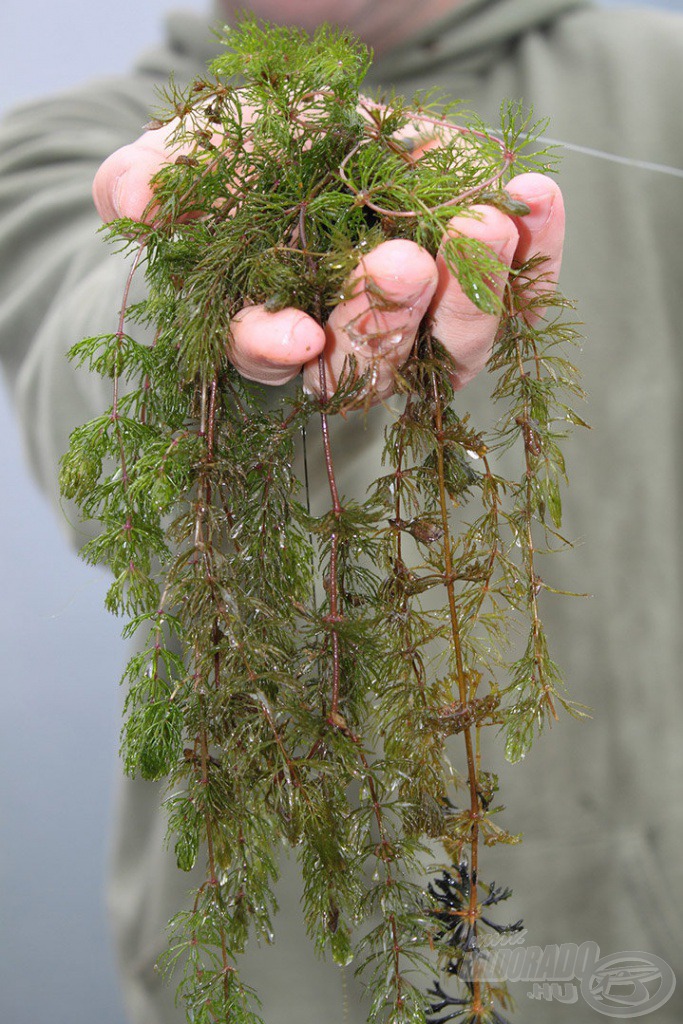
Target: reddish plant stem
<point>212,420</point>
<point>473,911</point>
<point>335,616</point>
<point>203,555</point>
<point>507,159</point>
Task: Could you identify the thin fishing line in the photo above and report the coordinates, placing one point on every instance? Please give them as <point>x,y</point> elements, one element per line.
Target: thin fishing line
<point>600,154</point>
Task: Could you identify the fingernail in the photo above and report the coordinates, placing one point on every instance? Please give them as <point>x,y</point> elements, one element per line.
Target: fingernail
<point>299,332</point>
<point>116,194</point>
<point>541,209</point>
<point>421,288</point>
<point>303,340</point>
<point>504,248</point>
<point>396,291</point>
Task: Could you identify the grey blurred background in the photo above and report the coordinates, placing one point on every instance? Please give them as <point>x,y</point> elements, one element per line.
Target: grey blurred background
<point>60,654</point>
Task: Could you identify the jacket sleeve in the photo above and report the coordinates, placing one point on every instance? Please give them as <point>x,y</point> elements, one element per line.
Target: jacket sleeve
<point>59,279</point>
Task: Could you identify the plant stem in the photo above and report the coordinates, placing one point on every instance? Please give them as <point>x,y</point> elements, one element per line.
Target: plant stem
<point>529,455</point>
<point>473,914</point>
<point>335,615</point>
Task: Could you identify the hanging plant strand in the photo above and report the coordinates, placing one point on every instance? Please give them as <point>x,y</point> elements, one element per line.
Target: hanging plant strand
<point>282,655</point>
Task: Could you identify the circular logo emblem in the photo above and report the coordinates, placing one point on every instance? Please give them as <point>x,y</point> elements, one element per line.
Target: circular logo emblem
<point>626,985</point>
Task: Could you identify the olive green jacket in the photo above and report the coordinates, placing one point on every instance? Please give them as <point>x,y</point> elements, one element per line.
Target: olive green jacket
<point>599,803</point>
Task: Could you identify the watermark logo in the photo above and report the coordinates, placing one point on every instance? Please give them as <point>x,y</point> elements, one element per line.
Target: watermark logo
<point>627,985</point>
<point>622,985</point>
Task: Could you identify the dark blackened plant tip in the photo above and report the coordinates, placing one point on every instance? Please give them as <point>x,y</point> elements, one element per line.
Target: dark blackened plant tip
<point>464,948</point>
<point>459,1009</point>
<point>329,653</point>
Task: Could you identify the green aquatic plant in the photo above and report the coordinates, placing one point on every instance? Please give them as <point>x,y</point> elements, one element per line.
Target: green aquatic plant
<point>322,678</point>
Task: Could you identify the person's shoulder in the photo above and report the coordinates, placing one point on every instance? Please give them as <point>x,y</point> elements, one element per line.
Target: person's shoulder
<point>619,72</point>
<point>120,104</point>
<point>113,105</point>
<point>641,33</point>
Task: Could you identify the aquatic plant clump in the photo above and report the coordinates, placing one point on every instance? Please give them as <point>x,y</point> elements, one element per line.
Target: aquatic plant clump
<point>323,680</point>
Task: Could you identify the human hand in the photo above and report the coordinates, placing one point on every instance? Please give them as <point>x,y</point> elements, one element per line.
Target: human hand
<point>274,347</point>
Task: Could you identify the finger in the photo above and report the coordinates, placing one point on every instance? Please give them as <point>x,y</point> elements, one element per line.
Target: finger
<point>377,325</point>
<point>121,187</point>
<point>541,231</point>
<point>271,347</point>
<point>466,331</point>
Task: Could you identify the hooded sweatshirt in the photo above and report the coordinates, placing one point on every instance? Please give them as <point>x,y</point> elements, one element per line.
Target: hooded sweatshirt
<point>599,802</point>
